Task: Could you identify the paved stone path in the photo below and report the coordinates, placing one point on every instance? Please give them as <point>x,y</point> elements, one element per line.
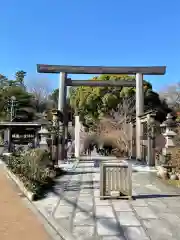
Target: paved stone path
<point>75,207</point>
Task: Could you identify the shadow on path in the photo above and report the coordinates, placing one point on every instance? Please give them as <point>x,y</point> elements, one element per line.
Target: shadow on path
<point>107,222</point>
<point>145,196</point>
<point>79,173</point>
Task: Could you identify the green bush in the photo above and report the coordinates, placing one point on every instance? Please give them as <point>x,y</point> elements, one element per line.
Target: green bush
<point>32,168</point>
<point>38,156</point>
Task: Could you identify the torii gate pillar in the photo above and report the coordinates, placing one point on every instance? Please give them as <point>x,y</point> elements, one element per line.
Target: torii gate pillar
<point>139,111</point>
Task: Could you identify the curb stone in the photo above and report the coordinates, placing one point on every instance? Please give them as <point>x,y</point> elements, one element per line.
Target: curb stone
<point>31,196</point>
<point>64,234</point>
<point>54,235</point>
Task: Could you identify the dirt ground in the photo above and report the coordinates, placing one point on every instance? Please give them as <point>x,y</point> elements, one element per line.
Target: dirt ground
<point>16,220</point>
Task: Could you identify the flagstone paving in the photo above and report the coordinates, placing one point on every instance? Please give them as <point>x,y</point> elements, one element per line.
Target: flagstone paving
<point>78,213</point>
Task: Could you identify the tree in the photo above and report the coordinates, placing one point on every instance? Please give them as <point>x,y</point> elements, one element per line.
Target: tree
<point>172,96</point>
<point>54,98</point>
<point>3,81</point>
<point>40,91</point>
<point>24,109</point>
<point>92,103</point>
<point>9,88</point>
<point>20,75</point>
<point>19,80</point>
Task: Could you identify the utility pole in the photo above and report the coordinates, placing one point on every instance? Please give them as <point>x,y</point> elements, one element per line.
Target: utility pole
<point>12,104</point>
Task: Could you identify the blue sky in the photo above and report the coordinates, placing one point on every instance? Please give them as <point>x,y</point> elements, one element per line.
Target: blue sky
<point>90,32</point>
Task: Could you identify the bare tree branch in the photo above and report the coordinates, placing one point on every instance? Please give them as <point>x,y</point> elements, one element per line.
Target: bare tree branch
<point>125,110</point>
<point>40,89</point>
<point>172,96</point>
<point>116,126</point>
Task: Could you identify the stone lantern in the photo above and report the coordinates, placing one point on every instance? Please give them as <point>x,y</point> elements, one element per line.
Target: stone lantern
<point>55,117</point>
<point>168,125</point>
<point>44,134</point>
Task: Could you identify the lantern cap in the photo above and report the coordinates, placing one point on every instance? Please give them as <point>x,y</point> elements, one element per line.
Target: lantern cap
<point>43,131</point>
<point>169,122</point>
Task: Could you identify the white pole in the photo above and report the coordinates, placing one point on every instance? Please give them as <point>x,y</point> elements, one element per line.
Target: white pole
<point>139,111</point>
<point>77,137</point>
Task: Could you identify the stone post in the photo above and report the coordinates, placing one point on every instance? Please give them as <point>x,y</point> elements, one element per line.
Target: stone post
<point>55,136</point>
<point>150,155</point>
<point>77,136</point>
<point>139,111</point>
<point>131,140</point>
<point>134,141</point>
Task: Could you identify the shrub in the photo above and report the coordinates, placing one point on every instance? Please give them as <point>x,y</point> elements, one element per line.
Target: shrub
<point>32,168</point>
<point>114,133</point>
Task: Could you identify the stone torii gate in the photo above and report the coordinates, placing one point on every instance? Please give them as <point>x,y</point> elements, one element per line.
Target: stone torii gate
<point>64,81</point>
